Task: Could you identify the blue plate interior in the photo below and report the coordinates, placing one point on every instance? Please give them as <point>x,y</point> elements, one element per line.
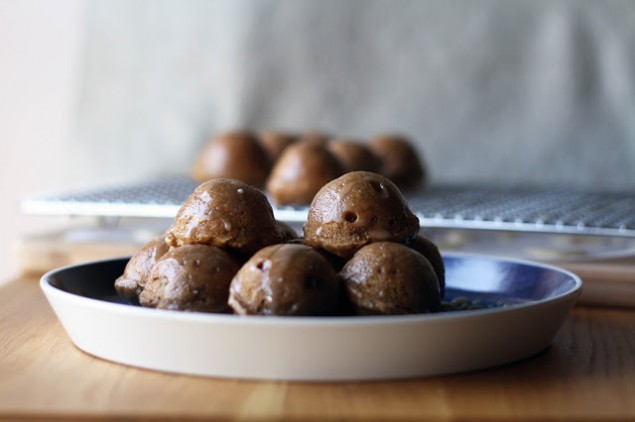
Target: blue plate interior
<point>475,277</point>
<point>508,281</point>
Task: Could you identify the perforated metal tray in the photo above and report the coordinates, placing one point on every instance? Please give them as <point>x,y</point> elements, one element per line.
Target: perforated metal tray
<point>461,207</point>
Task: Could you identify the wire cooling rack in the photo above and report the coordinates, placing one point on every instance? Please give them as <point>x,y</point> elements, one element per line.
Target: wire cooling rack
<point>459,207</point>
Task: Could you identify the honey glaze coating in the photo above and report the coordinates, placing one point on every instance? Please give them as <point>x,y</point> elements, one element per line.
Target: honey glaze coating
<point>131,283</point>
<point>386,278</point>
<point>285,279</point>
<point>356,209</point>
<point>228,214</point>
<point>191,278</point>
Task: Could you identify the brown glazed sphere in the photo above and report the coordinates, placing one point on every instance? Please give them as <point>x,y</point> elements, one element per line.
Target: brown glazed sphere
<point>386,278</point>
<point>354,155</point>
<point>228,214</point>
<point>399,160</point>
<point>130,284</point>
<point>191,278</point>
<point>337,262</point>
<point>233,155</point>
<point>300,172</point>
<point>428,249</point>
<point>315,137</point>
<point>356,209</point>
<point>287,279</point>
<point>276,142</point>
<point>287,233</point>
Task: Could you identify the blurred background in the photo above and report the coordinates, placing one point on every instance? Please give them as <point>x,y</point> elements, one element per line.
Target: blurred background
<point>491,92</point>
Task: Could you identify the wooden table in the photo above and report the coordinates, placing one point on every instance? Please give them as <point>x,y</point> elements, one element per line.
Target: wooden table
<point>588,373</point>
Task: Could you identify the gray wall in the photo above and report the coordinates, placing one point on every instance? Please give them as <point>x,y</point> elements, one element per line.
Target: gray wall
<point>508,92</point>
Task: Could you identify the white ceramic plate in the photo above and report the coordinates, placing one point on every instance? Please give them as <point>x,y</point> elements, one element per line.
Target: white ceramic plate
<point>322,348</point>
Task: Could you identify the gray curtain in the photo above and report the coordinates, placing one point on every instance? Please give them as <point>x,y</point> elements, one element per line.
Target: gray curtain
<point>504,92</point>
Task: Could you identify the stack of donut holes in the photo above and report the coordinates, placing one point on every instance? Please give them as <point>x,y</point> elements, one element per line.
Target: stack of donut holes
<point>360,253</point>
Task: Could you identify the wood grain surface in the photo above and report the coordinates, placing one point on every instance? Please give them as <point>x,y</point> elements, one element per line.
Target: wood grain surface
<point>587,374</point>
